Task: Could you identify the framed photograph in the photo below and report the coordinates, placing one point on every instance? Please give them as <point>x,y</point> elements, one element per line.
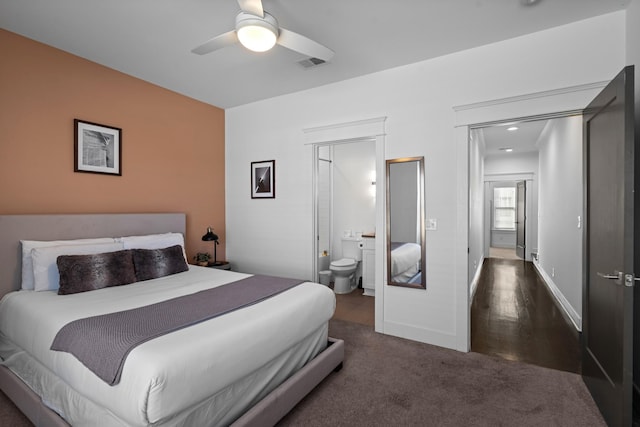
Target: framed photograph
<point>98,148</point>
<point>263,179</point>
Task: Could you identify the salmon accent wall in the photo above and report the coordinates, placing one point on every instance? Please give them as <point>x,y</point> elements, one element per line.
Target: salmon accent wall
<point>172,145</point>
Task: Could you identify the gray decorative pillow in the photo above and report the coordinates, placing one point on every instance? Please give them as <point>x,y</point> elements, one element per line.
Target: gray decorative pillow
<point>81,273</point>
<point>154,263</point>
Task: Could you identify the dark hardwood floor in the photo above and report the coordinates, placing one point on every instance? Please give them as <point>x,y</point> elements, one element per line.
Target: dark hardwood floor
<point>355,307</point>
<point>513,316</point>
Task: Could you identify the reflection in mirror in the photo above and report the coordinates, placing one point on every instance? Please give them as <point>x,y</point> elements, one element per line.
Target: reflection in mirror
<point>405,223</point>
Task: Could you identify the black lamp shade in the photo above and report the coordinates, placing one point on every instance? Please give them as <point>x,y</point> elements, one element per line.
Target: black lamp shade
<point>210,236</point>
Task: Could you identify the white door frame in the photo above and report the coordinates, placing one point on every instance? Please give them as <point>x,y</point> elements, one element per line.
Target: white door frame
<point>550,104</point>
<point>357,131</point>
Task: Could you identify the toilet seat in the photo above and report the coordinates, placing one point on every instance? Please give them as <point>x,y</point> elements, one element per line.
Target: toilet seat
<point>343,264</point>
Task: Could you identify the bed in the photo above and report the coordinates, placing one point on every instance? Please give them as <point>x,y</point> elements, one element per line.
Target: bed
<point>405,261</point>
<point>247,367</point>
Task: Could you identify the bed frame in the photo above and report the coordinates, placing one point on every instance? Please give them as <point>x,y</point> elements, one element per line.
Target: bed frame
<point>14,228</point>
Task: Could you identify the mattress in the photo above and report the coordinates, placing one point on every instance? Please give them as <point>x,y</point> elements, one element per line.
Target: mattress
<point>210,372</point>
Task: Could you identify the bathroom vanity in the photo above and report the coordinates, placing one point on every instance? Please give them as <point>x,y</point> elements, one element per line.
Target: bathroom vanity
<point>369,264</point>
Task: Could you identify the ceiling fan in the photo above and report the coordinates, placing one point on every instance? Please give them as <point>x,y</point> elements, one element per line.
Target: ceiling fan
<point>259,31</point>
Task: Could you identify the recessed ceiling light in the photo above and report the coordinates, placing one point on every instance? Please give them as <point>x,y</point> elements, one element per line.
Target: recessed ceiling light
<point>506,149</point>
<point>512,128</point>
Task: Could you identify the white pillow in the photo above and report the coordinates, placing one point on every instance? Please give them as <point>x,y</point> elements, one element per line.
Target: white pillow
<point>154,241</point>
<point>45,267</point>
<point>28,245</point>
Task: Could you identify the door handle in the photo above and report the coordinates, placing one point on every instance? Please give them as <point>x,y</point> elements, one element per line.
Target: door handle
<point>617,276</point>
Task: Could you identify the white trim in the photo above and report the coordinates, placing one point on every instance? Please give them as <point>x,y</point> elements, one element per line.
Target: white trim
<point>412,332</point>
<point>566,306</point>
<point>461,242</point>
<point>345,132</point>
<point>571,99</point>
<point>534,95</point>
<point>499,177</point>
<point>568,100</point>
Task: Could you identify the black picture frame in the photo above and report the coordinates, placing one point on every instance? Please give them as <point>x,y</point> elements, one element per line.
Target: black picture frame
<point>97,148</point>
<point>263,179</point>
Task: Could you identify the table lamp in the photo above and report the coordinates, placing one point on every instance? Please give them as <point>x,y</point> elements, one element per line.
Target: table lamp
<point>212,237</point>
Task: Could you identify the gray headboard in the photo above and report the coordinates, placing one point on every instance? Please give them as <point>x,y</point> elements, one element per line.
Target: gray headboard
<point>14,228</point>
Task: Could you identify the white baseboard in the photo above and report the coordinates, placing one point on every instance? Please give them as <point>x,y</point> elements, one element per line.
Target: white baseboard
<point>474,283</point>
<point>576,318</point>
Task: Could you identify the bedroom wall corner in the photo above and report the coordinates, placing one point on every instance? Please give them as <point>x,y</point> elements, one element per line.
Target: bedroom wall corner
<point>172,145</point>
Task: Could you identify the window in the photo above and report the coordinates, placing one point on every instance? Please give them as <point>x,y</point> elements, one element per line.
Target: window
<point>504,208</point>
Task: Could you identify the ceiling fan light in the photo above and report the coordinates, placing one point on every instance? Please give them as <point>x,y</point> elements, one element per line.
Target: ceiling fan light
<point>256,38</point>
<point>256,33</point>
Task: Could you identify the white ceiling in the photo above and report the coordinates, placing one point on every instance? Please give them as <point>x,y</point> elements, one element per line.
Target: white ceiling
<point>522,140</point>
<point>152,39</point>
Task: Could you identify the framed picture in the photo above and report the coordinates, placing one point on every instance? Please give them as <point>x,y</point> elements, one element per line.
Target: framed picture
<point>263,179</point>
<point>98,148</point>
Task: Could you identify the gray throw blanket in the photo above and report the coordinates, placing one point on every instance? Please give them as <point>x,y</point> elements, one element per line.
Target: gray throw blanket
<point>102,343</point>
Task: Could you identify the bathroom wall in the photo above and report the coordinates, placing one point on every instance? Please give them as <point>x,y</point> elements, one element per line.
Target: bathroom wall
<point>404,205</point>
<point>324,185</point>
<point>353,204</point>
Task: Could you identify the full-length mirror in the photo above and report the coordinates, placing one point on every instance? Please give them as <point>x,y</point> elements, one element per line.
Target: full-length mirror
<point>405,223</point>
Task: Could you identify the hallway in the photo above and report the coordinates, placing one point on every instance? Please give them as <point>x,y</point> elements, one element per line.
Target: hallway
<point>513,316</point>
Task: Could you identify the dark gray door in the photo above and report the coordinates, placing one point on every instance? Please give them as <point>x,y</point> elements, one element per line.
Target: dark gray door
<point>607,334</point>
<point>521,203</point>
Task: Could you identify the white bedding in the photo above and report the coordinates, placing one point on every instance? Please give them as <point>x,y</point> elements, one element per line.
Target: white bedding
<point>173,379</point>
<point>405,262</point>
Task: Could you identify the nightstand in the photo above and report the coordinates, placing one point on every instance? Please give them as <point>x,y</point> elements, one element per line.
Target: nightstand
<point>221,265</point>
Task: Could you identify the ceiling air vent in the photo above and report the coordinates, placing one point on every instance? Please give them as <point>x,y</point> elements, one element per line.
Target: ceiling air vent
<point>311,62</point>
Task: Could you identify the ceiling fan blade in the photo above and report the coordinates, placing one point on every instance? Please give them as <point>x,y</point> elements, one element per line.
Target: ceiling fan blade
<point>304,45</point>
<point>253,7</point>
<point>218,42</point>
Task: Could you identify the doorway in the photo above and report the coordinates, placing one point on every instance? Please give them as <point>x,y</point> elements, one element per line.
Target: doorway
<point>529,262</point>
<point>370,130</point>
<point>345,196</point>
<point>345,188</point>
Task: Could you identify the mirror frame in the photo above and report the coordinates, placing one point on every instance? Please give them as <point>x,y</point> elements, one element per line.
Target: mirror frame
<point>420,196</point>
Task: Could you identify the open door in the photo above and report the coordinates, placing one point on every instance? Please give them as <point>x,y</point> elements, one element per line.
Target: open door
<point>607,338</point>
<point>521,203</point>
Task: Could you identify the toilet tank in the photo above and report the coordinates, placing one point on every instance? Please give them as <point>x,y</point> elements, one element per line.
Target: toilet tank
<point>352,248</point>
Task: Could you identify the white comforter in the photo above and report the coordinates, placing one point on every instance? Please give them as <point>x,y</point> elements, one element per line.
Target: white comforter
<point>405,261</point>
<point>168,375</point>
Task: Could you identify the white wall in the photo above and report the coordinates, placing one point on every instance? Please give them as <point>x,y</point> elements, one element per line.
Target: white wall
<point>353,205</point>
<point>476,206</point>
<point>512,163</point>
<point>560,205</point>
<point>275,236</point>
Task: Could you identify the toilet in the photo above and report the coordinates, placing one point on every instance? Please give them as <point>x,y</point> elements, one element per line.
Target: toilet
<point>344,269</point>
